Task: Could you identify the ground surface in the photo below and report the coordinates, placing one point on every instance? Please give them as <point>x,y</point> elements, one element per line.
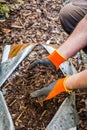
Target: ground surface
<point>35,22</point>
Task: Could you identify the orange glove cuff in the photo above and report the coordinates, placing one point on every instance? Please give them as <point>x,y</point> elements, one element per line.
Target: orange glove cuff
<point>56,58</point>
<point>58,88</point>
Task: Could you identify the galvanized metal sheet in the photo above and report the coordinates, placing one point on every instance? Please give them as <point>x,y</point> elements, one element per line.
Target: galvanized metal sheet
<point>6,53</point>
<point>7,67</point>
<point>5,118</point>
<point>66,117</point>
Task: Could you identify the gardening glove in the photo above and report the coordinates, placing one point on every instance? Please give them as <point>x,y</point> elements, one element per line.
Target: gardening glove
<point>51,90</point>
<point>54,59</point>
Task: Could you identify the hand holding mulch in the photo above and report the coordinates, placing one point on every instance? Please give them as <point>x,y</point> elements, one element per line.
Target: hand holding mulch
<point>54,59</point>
<point>51,90</point>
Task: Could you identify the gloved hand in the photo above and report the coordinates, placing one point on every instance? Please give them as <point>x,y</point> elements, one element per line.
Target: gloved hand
<point>52,90</point>
<point>54,59</point>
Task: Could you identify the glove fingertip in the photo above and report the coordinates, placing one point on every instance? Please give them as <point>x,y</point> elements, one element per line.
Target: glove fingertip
<point>32,95</point>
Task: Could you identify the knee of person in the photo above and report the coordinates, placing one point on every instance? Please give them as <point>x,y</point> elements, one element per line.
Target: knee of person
<point>65,17</point>
<point>64,12</point>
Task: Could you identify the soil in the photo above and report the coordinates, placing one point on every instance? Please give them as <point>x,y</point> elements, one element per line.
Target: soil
<point>36,22</point>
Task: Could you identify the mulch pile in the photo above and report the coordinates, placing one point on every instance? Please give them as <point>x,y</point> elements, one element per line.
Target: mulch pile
<point>28,112</point>
<point>35,22</point>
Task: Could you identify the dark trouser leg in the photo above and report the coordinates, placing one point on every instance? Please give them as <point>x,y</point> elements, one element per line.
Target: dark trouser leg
<point>70,15</point>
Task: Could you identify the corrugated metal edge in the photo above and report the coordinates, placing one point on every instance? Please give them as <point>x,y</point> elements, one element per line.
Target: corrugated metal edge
<point>13,63</point>
<point>6,114</point>
<point>5,53</point>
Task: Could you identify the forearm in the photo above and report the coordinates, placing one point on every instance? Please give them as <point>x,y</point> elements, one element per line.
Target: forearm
<point>77,81</point>
<point>76,41</point>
